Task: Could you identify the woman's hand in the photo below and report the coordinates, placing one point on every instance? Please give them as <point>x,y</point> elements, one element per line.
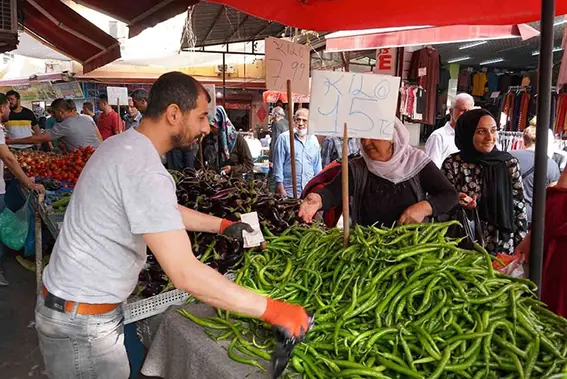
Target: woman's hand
<point>466,201</point>
<point>310,206</point>
<point>227,169</point>
<point>524,247</point>
<point>280,190</point>
<point>416,213</point>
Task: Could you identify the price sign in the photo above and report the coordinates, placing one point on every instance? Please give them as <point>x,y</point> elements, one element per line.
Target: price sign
<point>386,61</point>
<point>366,102</point>
<point>287,61</point>
<point>120,93</point>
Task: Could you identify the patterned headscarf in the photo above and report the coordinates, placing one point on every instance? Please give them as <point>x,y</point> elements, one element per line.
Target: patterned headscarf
<point>227,133</point>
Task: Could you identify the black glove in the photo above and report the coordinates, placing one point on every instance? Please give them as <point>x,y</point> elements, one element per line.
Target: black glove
<point>235,230</point>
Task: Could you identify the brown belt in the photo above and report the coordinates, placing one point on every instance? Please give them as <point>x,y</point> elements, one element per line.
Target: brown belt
<point>84,308</point>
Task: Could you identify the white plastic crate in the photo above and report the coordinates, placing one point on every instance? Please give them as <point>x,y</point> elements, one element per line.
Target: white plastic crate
<point>141,309</point>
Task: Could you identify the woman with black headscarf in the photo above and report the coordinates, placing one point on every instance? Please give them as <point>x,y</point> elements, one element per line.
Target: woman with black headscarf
<point>488,179</point>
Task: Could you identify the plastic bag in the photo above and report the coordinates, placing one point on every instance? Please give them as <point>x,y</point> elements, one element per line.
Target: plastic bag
<point>512,265</point>
<point>14,227</point>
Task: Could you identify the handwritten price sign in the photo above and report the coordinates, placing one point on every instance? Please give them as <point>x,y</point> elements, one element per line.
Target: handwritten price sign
<point>287,61</point>
<point>366,102</point>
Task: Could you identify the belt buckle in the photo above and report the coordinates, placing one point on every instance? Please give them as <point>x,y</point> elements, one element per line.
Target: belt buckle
<point>54,302</point>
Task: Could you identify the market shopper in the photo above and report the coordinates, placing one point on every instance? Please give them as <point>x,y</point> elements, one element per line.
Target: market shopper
<point>8,159</point>
<point>392,182</point>
<point>133,117</point>
<point>140,99</point>
<point>307,156</point>
<point>526,158</point>
<point>109,123</point>
<point>279,126</point>
<point>22,122</point>
<point>488,180</point>
<point>224,149</point>
<point>554,280</point>
<point>88,110</point>
<point>441,143</point>
<point>332,149</point>
<point>72,129</point>
<point>125,199</point>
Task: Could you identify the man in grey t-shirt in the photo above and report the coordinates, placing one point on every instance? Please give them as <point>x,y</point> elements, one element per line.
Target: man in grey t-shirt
<point>526,157</point>
<point>124,200</point>
<point>72,129</point>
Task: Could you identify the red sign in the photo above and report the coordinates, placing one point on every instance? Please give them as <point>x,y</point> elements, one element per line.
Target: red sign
<point>261,113</point>
<point>386,61</point>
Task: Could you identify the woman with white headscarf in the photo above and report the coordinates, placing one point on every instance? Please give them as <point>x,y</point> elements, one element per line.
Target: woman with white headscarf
<point>392,182</point>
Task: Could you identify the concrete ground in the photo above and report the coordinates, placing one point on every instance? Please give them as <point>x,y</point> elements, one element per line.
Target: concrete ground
<point>19,350</point>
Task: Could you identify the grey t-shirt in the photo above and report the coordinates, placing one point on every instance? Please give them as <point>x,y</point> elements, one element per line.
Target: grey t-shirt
<point>75,132</point>
<point>123,192</point>
<point>527,161</point>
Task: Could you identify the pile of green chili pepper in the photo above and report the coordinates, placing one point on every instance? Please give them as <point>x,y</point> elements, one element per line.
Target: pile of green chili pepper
<point>405,302</point>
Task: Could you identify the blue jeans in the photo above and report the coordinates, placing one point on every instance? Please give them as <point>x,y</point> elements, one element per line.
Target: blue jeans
<point>76,346</point>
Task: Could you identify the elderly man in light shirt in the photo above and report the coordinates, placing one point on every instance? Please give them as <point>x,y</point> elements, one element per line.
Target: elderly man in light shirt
<point>441,143</point>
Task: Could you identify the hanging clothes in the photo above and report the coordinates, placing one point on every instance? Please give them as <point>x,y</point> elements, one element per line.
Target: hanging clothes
<point>464,81</point>
<point>492,82</point>
<point>560,125</point>
<point>523,112</point>
<point>505,82</point>
<point>424,68</point>
<point>479,80</point>
<point>562,79</point>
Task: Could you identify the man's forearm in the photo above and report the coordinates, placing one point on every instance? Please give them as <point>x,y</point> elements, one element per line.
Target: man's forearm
<point>212,288</point>
<point>30,140</point>
<point>195,221</point>
<point>14,167</point>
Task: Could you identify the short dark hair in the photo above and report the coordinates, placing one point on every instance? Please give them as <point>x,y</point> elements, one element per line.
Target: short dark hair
<point>62,104</point>
<point>89,106</point>
<point>71,104</point>
<point>174,88</point>
<point>3,99</point>
<point>13,93</point>
<point>139,94</point>
<point>103,97</point>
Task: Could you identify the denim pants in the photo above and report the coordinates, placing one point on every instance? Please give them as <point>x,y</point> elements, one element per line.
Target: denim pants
<point>76,346</point>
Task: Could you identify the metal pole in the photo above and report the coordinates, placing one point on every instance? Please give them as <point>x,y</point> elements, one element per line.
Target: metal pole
<point>224,79</point>
<point>543,121</point>
<point>38,246</point>
<point>291,138</point>
<point>344,179</point>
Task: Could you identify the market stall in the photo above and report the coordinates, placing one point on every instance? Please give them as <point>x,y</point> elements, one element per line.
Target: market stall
<point>439,310</point>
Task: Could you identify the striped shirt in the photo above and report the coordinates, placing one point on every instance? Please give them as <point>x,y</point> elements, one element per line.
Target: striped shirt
<point>20,126</point>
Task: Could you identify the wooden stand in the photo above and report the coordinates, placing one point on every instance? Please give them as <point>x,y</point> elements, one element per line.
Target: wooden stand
<point>344,182</point>
<point>291,138</point>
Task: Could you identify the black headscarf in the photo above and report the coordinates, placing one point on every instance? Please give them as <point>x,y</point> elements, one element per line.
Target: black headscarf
<point>496,204</point>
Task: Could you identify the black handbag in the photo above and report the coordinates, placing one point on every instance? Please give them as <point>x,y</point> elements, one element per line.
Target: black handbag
<point>470,229</point>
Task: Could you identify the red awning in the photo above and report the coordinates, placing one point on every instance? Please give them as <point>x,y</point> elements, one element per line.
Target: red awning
<point>274,96</point>
<point>332,15</point>
<point>426,36</point>
<point>66,31</point>
<point>139,14</point>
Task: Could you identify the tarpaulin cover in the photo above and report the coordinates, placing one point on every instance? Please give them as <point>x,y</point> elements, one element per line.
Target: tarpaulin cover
<point>333,15</point>
<point>70,33</point>
<point>139,14</point>
<point>432,35</point>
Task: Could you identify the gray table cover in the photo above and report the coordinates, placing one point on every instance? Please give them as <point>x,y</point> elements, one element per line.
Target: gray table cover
<point>181,349</point>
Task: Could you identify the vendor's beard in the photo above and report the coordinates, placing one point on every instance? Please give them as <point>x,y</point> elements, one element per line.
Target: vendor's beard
<point>182,140</point>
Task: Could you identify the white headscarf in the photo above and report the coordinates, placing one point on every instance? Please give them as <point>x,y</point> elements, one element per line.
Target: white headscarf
<point>406,162</point>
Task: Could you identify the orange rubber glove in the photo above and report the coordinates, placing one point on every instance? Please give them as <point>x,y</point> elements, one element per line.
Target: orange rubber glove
<point>291,318</point>
<point>225,224</point>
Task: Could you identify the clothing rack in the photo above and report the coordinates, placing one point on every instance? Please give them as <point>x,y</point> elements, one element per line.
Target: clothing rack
<point>509,141</point>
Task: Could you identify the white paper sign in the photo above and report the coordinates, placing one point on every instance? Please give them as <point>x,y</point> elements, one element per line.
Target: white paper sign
<point>213,104</point>
<point>287,60</point>
<point>366,102</point>
<point>256,237</point>
<point>120,93</point>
